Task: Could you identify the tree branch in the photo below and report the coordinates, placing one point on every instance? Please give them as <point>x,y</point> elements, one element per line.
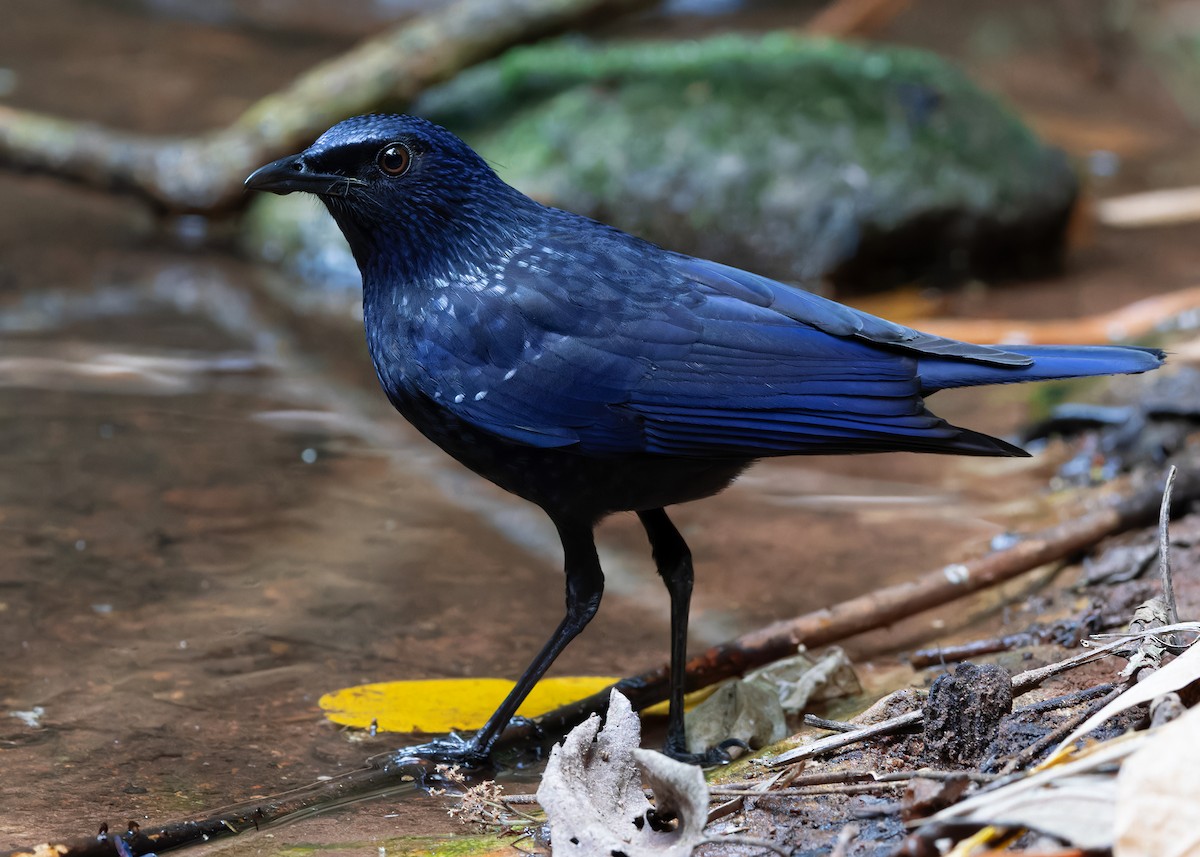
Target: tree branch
<point>204,174</point>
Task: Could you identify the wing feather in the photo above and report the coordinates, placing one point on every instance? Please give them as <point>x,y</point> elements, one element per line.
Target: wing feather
<point>672,355</point>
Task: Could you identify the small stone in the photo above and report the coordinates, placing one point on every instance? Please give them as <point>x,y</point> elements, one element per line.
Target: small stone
<point>963,713</point>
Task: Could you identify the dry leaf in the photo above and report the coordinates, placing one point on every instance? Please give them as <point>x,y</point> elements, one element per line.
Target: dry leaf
<point>1071,801</point>
<point>742,710</point>
<point>801,679</point>
<point>1178,674</point>
<point>754,709</point>
<point>1077,810</point>
<point>592,792</point>
<point>1158,793</point>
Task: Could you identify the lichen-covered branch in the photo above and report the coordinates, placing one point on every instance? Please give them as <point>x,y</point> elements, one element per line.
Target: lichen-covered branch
<point>204,174</point>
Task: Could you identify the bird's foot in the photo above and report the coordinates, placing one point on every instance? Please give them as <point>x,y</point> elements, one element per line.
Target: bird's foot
<point>452,749</point>
<point>710,758</point>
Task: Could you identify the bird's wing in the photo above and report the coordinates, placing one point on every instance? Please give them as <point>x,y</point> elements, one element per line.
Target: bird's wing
<point>670,355</point>
<point>832,317</point>
<point>778,371</point>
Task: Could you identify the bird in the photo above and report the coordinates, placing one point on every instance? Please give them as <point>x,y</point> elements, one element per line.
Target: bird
<point>591,372</point>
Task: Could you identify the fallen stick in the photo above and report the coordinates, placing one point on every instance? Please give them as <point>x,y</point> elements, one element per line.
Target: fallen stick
<point>804,782</point>
<point>1032,751</point>
<point>204,174</point>
<point>965,651</point>
<point>1151,208</point>
<point>828,744</point>
<point>257,814</point>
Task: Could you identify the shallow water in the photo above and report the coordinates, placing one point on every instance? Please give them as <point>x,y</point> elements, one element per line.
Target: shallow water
<point>209,516</point>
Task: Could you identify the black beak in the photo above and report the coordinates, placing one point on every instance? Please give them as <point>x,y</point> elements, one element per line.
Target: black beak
<point>291,174</point>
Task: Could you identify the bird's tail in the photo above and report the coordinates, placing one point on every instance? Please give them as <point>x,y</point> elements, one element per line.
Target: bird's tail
<point>1049,362</point>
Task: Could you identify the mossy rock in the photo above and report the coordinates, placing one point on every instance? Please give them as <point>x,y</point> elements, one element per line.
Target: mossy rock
<point>796,158</point>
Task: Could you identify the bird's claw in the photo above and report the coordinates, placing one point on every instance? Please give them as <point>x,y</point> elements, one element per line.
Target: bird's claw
<point>452,749</point>
<point>710,758</point>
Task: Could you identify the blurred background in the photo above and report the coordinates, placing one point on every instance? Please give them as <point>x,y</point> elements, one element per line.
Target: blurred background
<point>209,516</point>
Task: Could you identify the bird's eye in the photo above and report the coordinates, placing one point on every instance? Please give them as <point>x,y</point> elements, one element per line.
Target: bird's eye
<point>394,159</point>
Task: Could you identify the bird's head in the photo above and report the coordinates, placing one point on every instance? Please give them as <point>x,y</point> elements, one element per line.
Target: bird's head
<point>410,197</point>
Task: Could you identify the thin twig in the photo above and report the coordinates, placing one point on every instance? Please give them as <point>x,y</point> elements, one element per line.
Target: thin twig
<point>730,839</point>
<point>727,808</point>
<point>1164,548</point>
<point>1064,701</point>
<point>828,725</point>
<point>251,815</point>
<point>802,785</point>
<point>942,776</point>
<point>846,739</point>
<point>758,786</point>
<point>1024,682</point>
<point>942,655</point>
<point>521,799</point>
<point>806,781</point>
<point>831,789</point>
<point>1021,683</point>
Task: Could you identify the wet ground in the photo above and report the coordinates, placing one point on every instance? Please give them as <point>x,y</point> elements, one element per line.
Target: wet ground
<point>209,516</point>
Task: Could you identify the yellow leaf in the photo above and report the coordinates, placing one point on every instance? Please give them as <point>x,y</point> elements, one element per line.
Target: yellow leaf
<point>443,705</point>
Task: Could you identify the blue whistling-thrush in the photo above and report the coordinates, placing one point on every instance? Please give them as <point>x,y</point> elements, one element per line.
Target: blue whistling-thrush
<point>591,372</point>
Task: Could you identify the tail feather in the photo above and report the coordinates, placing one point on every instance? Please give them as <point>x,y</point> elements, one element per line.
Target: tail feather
<point>1049,362</point>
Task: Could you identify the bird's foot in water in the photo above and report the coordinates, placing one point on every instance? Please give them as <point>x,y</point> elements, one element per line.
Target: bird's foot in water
<point>710,758</point>
<point>452,749</point>
<point>470,753</point>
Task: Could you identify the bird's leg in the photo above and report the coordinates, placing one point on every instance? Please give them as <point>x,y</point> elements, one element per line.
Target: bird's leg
<point>585,586</point>
<point>674,561</point>
<point>673,558</point>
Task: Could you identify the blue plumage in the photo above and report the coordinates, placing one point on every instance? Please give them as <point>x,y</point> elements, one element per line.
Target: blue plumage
<point>1048,362</point>
<point>591,372</point>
